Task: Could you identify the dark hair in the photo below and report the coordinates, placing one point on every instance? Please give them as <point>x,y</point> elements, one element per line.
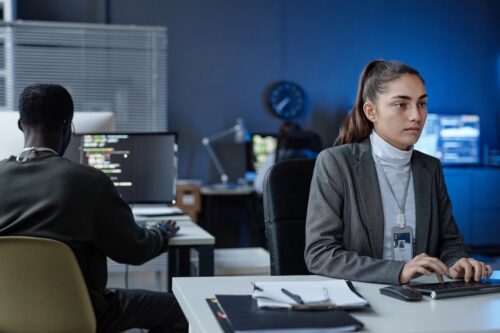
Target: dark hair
<point>372,82</point>
<point>47,106</point>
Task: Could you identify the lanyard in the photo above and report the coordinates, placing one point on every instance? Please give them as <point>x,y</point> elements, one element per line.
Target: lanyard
<point>28,151</point>
<point>401,216</point>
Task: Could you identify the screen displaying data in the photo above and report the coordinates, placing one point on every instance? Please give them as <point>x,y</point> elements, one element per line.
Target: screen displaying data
<point>260,148</point>
<point>143,167</point>
<point>263,145</point>
<point>454,139</point>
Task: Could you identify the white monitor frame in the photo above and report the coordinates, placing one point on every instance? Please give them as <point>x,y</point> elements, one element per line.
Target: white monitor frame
<point>94,122</point>
<point>12,139</point>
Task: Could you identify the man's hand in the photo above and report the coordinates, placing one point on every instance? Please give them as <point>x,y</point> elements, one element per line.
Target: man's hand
<point>422,265</point>
<point>467,268</point>
<point>169,228</point>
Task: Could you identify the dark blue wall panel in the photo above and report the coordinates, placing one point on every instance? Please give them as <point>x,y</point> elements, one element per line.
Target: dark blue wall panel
<point>475,203</point>
<point>222,53</point>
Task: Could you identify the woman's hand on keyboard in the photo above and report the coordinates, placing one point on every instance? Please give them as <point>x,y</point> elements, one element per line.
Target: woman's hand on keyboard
<point>422,265</point>
<point>468,268</point>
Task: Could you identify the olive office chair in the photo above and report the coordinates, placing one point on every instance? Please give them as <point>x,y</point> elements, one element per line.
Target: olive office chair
<point>286,193</point>
<point>42,288</point>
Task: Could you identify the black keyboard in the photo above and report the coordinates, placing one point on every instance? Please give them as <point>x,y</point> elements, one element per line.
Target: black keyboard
<point>458,288</point>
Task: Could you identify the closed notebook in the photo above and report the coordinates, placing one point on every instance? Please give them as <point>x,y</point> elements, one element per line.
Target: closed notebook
<point>244,316</point>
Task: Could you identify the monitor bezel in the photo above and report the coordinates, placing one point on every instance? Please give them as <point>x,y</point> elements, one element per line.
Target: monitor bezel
<point>176,160</point>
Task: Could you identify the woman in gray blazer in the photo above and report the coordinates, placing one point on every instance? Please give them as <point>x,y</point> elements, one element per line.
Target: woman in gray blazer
<point>378,210</point>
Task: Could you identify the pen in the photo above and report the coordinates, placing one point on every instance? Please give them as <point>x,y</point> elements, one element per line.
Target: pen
<point>256,287</point>
<point>293,296</point>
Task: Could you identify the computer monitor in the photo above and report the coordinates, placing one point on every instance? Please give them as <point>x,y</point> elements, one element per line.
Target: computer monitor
<point>262,146</point>
<point>13,140</point>
<point>143,166</point>
<point>232,157</point>
<point>454,139</point>
<point>94,122</point>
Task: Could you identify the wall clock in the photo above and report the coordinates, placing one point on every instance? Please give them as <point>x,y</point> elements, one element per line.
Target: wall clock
<point>286,100</point>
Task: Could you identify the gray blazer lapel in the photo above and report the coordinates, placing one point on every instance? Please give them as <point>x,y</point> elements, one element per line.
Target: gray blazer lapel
<point>368,195</point>
<point>422,184</point>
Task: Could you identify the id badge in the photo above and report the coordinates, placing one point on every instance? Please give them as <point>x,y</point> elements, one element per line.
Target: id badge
<point>402,243</point>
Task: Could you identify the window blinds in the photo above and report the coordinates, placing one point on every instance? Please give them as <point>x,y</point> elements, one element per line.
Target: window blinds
<point>122,69</point>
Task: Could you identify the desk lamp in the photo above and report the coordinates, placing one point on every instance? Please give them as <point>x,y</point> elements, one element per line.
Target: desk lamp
<point>240,135</point>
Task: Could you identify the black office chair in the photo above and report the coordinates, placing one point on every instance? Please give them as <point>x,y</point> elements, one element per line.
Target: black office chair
<point>286,193</point>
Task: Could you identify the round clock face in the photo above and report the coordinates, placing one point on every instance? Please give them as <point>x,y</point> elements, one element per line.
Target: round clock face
<point>286,100</point>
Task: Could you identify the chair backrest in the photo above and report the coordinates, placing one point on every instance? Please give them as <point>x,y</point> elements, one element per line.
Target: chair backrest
<point>286,193</point>
<point>42,288</point>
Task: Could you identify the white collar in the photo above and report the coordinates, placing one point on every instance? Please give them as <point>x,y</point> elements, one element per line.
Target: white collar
<point>26,152</point>
<point>387,153</point>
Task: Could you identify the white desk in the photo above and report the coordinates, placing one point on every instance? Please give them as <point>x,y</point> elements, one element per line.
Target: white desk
<point>221,190</point>
<point>190,236</point>
<point>461,314</point>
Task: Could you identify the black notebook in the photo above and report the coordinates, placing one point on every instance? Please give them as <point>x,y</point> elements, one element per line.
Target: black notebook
<point>244,316</point>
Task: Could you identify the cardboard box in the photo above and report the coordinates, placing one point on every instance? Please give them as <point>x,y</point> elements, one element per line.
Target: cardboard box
<point>188,197</point>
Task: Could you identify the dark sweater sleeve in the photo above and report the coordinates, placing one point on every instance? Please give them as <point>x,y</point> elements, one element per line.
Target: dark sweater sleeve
<point>118,236</point>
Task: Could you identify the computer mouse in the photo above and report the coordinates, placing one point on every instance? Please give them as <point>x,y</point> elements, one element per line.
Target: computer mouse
<point>403,293</point>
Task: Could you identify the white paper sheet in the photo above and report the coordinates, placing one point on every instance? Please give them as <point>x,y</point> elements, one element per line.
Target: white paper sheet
<point>332,291</point>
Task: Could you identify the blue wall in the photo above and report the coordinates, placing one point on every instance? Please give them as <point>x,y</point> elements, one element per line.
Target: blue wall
<point>222,53</point>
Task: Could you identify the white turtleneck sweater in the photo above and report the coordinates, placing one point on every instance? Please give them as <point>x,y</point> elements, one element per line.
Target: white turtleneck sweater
<point>396,164</point>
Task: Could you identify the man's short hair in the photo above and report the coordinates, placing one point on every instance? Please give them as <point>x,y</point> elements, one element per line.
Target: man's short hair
<point>43,105</point>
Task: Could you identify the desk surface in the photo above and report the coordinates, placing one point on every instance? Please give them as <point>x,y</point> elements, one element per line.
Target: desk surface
<point>469,314</point>
<point>191,234</point>
<point>238,190</point>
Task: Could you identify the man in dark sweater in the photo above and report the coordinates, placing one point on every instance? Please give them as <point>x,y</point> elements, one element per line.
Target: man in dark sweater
<point>43,194</point>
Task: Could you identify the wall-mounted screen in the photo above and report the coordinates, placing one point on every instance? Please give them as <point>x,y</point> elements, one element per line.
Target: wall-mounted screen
<point>454,139</point>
